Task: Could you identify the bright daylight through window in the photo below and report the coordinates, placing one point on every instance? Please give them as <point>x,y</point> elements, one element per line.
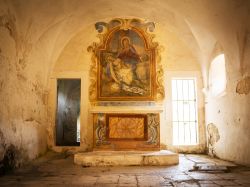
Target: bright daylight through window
<point>184,111</point>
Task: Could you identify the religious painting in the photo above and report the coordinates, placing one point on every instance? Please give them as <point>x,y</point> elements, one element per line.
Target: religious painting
<point>125,60</point>
<point>125,67</point>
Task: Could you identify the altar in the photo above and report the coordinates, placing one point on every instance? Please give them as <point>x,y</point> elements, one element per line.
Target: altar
<point>126,136</point>
<point>119,128</point>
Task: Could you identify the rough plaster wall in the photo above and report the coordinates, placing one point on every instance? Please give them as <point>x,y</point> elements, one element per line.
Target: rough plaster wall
<point>22,93</point>
<point>230,113</point>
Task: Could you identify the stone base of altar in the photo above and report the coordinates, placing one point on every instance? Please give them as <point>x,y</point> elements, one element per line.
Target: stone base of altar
<point>126,158</point>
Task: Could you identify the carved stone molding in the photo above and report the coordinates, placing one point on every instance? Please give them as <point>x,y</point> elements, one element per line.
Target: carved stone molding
<point>153,128</point>
<point>100,130</point>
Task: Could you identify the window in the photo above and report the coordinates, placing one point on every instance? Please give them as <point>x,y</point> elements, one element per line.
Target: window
<point>217,75</point>
<point>68,112</point>
<point>184,111</point>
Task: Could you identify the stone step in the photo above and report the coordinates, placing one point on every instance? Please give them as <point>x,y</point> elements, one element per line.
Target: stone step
<point>126,158</point>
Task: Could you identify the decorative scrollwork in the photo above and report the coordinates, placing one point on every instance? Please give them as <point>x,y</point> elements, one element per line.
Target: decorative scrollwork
<point>153,125</point>
<point>104,29</point>
<point>160,91</point>
<point>99,26</point>
<point>100,131</point>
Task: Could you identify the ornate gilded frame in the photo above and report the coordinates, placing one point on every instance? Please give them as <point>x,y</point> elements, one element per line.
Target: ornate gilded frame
<point>145,31</point>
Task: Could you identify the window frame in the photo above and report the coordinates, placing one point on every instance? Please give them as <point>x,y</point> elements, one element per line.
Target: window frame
<point>196,121</point>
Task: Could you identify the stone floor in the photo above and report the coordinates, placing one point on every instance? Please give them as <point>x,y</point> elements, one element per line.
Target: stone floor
<point>59,170</point>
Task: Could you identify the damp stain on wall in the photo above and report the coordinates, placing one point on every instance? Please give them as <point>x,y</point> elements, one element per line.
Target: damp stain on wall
<point>243,86</point>
<point>10,156</point>
<point>213,137</point>
<point>9,22</point>
<point>22,41</point>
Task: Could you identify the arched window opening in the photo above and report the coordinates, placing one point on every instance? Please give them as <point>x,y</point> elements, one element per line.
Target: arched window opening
<point>217,76</point>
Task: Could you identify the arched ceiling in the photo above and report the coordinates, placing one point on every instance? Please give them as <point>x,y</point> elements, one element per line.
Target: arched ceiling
<point>199,24</point>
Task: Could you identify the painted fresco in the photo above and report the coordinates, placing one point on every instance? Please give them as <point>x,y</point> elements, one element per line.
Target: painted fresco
<point>125,63</point>
<point>125,66</point>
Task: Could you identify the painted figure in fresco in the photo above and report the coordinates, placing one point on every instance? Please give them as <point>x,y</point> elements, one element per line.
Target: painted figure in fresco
<point>123,69</point>
<point>128,53</point>
<point>119,71</point>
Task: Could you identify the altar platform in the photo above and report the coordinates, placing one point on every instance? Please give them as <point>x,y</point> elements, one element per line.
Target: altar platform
<point>126,158</point>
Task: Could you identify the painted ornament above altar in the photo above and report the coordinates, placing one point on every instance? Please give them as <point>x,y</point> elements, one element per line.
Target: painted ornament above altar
<point>125,65</point>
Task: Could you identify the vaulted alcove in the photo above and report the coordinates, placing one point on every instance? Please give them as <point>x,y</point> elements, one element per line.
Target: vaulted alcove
<point>170,77</point>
